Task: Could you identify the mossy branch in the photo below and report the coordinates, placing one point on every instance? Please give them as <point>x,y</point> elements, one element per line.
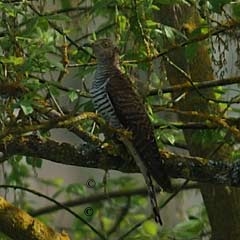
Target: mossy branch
<point>87,155</point>
<point>19,225</point>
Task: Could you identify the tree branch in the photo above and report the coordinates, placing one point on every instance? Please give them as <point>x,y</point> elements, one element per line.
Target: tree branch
<point>198,85</point>
<point>214,119</point>
<point>104,196</point>
<point>17,224</point>
<point>198,125</point>
<point>8,89</point>
<point>223,28</point>
<point>177,166</point>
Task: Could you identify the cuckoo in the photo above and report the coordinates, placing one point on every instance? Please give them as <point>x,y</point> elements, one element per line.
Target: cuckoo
<point>117,101</point>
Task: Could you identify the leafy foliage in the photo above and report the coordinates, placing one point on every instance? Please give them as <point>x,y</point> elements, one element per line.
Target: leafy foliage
<point>41,51</point>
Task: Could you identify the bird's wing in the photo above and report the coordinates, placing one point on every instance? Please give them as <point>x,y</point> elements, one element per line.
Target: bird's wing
<point>132,115</point>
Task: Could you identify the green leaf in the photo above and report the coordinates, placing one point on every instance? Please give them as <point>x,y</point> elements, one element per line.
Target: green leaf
<point>8,9</point>
<point>202,30</point>
<point>188,230</point>
<point>76,188</point>
<point>19,171</point>
<point>122,22</point>
<point>53,90</point>
<point>72,95</point>
<point>43,24</point>
<point>35,162</point>
<point>150,23</point>
<point>12,59</point>
<point>169,33</point>
<point>155,7</point>
<point>171,138</point>
<point>107,222</point>
<point>26,107</point>
<point>33,84</point>
<point>150,227</point>
<point>55,182</point>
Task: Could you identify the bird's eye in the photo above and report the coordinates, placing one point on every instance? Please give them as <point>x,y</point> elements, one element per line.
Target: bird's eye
<point>105,44</point>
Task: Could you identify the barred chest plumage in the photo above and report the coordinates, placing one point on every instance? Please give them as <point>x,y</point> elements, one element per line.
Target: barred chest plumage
<point>101,101</point>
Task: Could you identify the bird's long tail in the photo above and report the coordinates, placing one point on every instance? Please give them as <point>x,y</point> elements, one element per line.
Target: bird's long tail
<point>147,178</point>
<point>153,199</point>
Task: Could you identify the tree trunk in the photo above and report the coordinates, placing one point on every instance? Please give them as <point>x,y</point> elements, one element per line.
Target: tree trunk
<point>222,203</point>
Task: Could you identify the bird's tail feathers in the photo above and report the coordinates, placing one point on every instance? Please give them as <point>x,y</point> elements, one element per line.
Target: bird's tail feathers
<point>153,199</point>
<point>147,177</point>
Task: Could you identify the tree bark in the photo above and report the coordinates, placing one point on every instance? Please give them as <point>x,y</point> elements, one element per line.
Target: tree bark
<point>19,225</point>
<point>178,166</point>
<point>222,203</point>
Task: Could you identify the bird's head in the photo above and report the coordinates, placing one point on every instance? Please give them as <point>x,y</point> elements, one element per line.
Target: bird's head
<point>104,50</point>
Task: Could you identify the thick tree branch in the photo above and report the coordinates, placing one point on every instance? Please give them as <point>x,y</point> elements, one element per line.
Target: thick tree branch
<point>177,166</point>
<point>60,205</point>
<point>17,224</point>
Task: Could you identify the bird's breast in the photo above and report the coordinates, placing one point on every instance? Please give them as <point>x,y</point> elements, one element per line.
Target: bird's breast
<point>102,103</point>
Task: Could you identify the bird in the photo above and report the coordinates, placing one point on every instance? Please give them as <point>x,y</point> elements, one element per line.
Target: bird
<point>116,100</point>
